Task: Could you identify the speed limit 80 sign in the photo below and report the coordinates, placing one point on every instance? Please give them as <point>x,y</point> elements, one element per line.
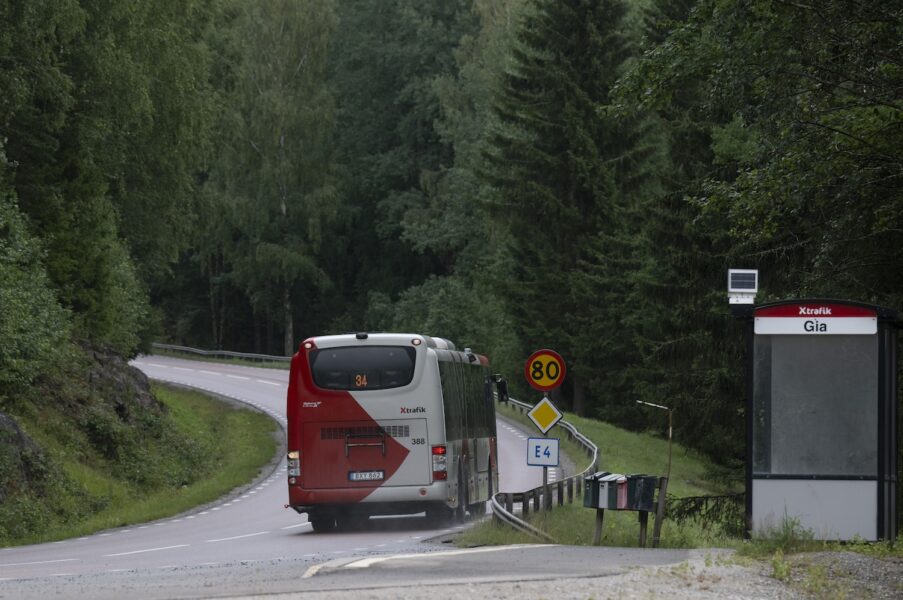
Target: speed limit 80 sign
<point>544,370</point>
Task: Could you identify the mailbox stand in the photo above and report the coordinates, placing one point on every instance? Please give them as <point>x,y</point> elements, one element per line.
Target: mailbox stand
<point>613,491</point>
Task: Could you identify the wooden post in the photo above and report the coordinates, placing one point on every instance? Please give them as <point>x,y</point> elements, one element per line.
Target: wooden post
<point>660,510</point>
<point>571,490</point>
<point>536,500</point>
<point>525,504</point>
<point>597,536</point>
<point>560,486</point>
<point>644,521</point>
<point>546,490</point>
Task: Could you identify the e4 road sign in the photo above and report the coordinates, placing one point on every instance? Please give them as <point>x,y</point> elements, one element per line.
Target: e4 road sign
<point>544,415</point>
<point>544,370</point>
<point>542,452</point>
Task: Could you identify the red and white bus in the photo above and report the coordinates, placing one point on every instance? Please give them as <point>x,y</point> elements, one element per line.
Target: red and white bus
<point>389,423</point>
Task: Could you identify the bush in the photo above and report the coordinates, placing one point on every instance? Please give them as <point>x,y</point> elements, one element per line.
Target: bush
<point>32,323</point>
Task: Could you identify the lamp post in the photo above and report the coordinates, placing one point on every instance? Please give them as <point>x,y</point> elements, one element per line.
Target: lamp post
<point>670,411</point>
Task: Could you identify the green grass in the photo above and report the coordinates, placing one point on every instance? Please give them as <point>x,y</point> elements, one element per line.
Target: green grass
<point>626,452</point>
<point>623,451</point>
<point>620,451</point>
<point>227,448</point>
<point>572,524</point>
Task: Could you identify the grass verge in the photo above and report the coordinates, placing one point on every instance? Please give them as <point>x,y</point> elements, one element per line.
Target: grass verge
<point>220,447</point>
<point>620,451</point>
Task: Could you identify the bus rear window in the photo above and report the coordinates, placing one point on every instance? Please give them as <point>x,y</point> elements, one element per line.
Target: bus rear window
<point>362,368</point>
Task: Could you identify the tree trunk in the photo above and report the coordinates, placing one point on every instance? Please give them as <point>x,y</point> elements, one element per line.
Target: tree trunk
<point>579,398</point>
<point>214,305</point>
<point>289,348</point>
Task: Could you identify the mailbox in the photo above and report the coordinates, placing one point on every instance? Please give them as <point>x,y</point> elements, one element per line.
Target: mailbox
<point>614,491</point>
<point>605,490</point>
<point>641,492</point>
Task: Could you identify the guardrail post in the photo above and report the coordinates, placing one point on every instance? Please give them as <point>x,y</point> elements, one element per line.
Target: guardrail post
<point>536,500</point>
<point>560,486</point>
<point>509,503</point>
<point>571,490</point>
<point>525,504</point>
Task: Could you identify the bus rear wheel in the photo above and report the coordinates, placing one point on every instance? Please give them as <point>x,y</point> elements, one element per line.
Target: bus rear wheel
<point>322,523</point>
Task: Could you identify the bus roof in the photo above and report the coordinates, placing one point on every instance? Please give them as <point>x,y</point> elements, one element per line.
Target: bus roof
<point>394,339</point>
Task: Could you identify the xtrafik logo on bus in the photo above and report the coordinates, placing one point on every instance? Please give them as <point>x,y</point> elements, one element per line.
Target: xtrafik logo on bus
<point>409,411</point>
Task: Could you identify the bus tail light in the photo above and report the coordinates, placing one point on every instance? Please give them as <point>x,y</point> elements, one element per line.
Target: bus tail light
<point>440,467</point>
<point>294,464</point>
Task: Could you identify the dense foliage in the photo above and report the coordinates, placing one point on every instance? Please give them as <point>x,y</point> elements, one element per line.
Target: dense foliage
<point>573,174</point>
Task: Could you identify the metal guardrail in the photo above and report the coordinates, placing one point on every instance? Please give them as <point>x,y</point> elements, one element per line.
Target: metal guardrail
<point>220,353</point>
<point>503,503</point>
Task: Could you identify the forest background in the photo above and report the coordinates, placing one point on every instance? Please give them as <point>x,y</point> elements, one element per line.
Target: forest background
<point>509,174</point>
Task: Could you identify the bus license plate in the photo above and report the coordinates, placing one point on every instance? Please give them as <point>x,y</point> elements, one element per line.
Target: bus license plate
<point>366,475</point>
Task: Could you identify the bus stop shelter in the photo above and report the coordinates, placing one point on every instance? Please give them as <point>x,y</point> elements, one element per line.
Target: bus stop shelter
<point>822,418</point>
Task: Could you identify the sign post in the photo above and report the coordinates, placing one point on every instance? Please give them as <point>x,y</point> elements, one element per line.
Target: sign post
<point>544,371</point>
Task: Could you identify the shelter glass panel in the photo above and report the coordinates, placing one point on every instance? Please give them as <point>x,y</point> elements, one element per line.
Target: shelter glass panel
<point>815,405</point>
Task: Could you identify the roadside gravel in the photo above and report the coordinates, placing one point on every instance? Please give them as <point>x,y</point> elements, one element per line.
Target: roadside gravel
<point>706,575</point>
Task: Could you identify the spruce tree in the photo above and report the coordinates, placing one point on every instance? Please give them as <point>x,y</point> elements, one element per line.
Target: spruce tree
<point>555,165</point>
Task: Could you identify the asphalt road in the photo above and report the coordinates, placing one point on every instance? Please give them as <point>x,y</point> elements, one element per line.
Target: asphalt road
<point>244,543</point>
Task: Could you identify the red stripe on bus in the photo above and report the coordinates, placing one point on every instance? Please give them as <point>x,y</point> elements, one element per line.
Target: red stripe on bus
<point>338,407</point>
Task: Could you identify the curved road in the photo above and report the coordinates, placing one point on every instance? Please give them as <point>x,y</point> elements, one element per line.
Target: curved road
<point>201,553</point>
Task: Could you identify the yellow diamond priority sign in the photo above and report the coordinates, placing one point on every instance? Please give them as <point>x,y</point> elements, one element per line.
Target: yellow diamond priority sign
<point>544,415</point>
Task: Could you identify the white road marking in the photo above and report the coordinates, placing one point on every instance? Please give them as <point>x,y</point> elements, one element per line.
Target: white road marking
<point>296,526</point>
<point>268,382</point>
<point>41,562</point>
<point>313,570</point>
<point>366,562</point>
<point>237,537</point>
<point>209,372</point>
<point>238,377</point>
<point>183,369</point>
<point>147,550</point>
<point>157,365</point>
